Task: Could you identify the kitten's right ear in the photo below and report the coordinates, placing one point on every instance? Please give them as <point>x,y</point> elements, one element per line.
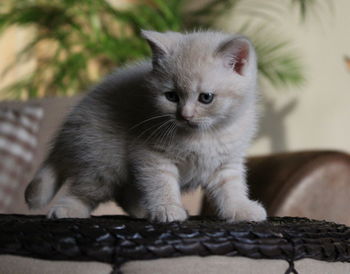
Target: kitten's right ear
<point>160,43</point>
<point>236,53</point>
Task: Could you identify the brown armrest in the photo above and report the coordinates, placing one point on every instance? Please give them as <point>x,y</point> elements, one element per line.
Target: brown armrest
<point>314,184</point>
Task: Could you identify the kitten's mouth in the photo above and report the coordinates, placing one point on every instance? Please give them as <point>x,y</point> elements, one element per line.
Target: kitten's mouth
<point>188,125</point>
<point>192,124</point>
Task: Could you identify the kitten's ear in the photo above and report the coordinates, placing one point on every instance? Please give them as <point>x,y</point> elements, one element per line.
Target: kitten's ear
<point>236,53</point>
<point>161,43</point>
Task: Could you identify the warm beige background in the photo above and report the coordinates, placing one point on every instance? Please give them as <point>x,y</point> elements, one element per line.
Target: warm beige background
<point>318,113</point>
<point>321,108</point>
<point>12,42</point>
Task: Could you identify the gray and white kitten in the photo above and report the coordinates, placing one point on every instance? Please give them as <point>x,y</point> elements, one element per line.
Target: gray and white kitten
<point>159,128</point>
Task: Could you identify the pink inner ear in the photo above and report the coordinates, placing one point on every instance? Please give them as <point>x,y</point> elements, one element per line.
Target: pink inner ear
<point>241,60</point>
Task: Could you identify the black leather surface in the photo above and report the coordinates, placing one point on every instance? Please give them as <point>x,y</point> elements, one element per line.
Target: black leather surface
<point>118,239</point>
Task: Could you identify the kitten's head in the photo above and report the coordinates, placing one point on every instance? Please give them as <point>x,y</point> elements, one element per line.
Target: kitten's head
<point>202,80</point>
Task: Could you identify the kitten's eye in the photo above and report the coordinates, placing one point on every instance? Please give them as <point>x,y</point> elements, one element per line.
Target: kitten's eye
<point>206,98</point>
<point>172,96</point>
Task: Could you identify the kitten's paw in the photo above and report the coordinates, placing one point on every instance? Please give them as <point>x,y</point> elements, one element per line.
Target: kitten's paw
<point>251,211</point>
<point>248,211</point>
<point>68,207</point>
<point>168,213</point>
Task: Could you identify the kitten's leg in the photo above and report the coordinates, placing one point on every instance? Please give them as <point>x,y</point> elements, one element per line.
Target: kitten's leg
<point>129,198</point>
<point>82,196</point>
<point>228,192</point>
<point>69,206</point>
<point>158,179</point>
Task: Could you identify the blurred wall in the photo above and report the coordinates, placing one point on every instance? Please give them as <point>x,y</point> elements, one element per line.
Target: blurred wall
<point>322,116</point>
<point>314,116</point>
<point>12,42</point>
<point>317,115</point>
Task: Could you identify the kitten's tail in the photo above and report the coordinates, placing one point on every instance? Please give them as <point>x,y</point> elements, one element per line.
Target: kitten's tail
<point>42,188</point>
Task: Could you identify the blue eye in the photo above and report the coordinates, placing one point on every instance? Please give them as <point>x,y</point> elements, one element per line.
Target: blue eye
<point>172,96</point>
<point>206,98</point>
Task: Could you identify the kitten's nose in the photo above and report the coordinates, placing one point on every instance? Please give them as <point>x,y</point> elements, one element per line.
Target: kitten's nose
<point>186,114</point>
<point>186,117</point>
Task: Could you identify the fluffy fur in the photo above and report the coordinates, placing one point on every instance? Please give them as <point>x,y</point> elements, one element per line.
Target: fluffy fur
<point>147,133</point>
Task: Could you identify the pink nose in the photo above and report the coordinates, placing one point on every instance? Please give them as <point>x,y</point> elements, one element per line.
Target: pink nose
<point>186,112</point>
<point>186,116</point>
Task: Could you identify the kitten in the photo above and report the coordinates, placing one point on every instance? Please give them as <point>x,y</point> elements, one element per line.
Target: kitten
<point>153,130</point>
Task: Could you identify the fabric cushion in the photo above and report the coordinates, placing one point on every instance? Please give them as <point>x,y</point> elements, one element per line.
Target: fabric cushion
<point>18,143</point>
<point>10,264</point>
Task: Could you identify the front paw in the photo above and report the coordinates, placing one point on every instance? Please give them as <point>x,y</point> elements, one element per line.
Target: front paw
<point>68,207</point>
<point>167,213</point>
<point>246,211</point>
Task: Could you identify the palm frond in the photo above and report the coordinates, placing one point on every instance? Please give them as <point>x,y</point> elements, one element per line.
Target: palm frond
<point>282,69</point>
<point>277,62</point>
<point>315,7</point>
<point>95,31</point>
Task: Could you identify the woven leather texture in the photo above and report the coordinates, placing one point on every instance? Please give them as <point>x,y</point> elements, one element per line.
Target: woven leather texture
<point>118,239</point>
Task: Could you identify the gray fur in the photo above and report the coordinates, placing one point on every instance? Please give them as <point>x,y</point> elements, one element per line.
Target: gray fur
<point>126,142</point>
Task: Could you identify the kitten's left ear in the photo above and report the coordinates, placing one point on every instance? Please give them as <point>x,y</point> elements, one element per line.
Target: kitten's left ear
<point>236,53</point>
<point>161,43</point>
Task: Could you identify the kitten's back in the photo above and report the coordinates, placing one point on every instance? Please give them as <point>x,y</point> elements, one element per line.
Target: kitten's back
<point>91,133</point>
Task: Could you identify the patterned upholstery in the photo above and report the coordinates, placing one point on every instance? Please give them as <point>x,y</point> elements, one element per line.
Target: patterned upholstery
<point>117,240</point>
<point>18,143</point>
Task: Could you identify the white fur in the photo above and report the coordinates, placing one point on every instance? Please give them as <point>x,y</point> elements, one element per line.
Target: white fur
<point>45,191</point>
<point>119,145</point>
<point>212,159</point>
<point>69,207</point>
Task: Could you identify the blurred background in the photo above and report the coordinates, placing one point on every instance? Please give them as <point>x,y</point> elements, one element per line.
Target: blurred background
<point>51,51</point>
<point>60,47</point>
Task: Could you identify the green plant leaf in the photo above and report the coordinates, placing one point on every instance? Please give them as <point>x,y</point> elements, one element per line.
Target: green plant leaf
<point>95,31</point>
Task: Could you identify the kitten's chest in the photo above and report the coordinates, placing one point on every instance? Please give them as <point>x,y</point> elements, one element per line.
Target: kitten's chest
<point>197,161</point>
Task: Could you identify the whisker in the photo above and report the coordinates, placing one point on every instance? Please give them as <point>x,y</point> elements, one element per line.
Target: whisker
<point>163,135</point>
<point>157,130</point>
<point>144,131</point>
<point>149,119</point>
<point>172,133</point>
<point>168,134</point>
